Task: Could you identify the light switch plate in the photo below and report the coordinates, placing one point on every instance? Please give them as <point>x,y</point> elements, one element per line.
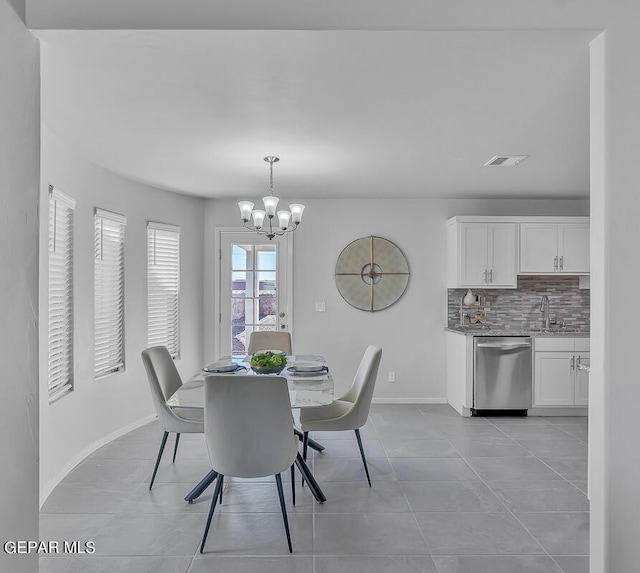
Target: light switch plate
<point>321,306</point>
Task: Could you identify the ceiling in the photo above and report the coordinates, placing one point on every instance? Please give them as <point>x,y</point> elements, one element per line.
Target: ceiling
<point>350,113</point>
<point>324,15</point>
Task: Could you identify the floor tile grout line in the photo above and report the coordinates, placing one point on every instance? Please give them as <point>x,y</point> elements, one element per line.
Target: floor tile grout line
<point>423,415</point>
<point>540,459</point>
<point>515,516</point>
<point>415,519</point>
<point>503,503</point>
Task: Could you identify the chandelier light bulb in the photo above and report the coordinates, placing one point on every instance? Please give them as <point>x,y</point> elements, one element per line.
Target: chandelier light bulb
<point>258,218</point>
<point>245,210</point>
<point>296,212</point>
<point>270,205</point>
<point>283,218</point>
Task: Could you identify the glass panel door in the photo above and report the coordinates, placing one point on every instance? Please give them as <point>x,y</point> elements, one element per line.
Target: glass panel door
<point>253,289</point>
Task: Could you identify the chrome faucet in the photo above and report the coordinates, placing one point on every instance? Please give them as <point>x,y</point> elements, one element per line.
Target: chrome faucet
<point>544,309</point>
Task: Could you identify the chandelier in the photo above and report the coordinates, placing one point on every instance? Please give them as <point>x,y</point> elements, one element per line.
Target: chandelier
<point>287,221</point>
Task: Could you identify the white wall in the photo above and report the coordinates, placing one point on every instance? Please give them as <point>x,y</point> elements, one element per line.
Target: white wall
<point>615,455</point>
<point>411,331</point>
<point>599,284</point>
<point>72,426</point>
<point>19,181</point>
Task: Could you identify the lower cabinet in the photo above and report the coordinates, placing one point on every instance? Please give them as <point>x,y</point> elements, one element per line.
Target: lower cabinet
<point>558,379</point>
<point>582,380</point>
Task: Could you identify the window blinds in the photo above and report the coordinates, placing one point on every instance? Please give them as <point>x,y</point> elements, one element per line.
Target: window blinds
<point>163,286</point>
<point>61,208</point>
<point>108,293</point>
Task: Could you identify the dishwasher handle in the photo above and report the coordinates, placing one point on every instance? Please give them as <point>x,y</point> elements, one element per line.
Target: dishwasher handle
<point>502,346</point>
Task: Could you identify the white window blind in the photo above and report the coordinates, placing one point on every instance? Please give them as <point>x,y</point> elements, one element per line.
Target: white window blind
<point>61,208</point>
<point>163,286</point>
<point>108,293</point>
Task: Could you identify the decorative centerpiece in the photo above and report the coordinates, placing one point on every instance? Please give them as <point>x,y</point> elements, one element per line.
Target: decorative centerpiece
<point>268,362</point>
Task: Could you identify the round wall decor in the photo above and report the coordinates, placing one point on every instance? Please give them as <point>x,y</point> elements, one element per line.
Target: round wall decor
<point>371,273</point>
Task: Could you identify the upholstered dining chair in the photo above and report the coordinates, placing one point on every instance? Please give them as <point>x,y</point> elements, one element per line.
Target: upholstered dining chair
<point>350,411</point>
<point>248,432</point>
<point>164,381</point>
<point>270,340</point>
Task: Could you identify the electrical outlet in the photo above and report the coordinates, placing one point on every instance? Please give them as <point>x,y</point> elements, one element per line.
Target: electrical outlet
<point>392,377</point>
<point>321,306</point>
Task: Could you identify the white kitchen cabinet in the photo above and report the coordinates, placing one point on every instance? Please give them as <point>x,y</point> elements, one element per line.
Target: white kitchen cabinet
<point>538,247</point>
<point>502,258</point>
<point>558,381</point>
<point>573,248</point>
<point>554,248</point>
<point>485,255</point>
<point>460,372</point>
<point>582,380</point>
<point>554,383</point>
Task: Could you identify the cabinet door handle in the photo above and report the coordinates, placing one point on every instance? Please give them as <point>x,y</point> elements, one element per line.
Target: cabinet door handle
<point>555,263</point>
<point>578,362</point>
<point>491,276</point>
<point>573,363</point>
<point>561,262</point>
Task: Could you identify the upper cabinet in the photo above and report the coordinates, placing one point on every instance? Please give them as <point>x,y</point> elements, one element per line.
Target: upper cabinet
<point>573,248</point>
<point>483,255</point>
<point>489,252</point>
<point>554,248</point>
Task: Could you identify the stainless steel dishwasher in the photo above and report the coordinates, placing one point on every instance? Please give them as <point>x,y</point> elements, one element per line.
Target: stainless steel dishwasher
<point>502,374</point>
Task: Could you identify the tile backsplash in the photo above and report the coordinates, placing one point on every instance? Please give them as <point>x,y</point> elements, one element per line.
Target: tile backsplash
<point>520,308</point>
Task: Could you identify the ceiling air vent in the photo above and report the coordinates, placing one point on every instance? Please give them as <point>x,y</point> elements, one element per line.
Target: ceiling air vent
<point>506,160</point>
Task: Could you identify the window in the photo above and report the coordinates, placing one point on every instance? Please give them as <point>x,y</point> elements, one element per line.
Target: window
<point>163,286</point>
<point>61,208</point>
<point>108,293</point>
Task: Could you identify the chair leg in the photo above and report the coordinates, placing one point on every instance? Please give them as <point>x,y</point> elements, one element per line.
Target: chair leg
<point>220,499</point>
<point>214,499</point>
<point>312,443</point>
<point>293,484</point>
<point>284,510</point>
<point>305,447</point>
<point>155,470</point>
<point>175,449</point>
<point>364,459</point>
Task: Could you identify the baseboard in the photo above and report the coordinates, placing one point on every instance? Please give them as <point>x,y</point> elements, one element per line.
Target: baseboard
<point>556,411</point>
<point>409,401</point>
<point>80,456</point>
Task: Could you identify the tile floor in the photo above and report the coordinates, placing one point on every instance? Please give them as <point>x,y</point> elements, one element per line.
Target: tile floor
<point>449,495</point>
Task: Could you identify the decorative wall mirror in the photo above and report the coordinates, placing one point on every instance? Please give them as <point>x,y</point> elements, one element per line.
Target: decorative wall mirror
<point>371,273</point>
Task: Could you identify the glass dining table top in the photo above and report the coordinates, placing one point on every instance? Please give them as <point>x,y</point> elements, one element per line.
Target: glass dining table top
<point>306,390</point>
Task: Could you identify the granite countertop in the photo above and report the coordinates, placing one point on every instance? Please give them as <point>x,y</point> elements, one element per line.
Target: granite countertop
<point>501,331</point>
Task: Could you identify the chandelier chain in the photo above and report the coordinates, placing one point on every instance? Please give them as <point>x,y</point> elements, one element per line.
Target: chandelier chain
<point>271,178</point>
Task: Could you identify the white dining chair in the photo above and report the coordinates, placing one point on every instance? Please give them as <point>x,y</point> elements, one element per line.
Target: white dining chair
<point>270,340</point>
<point>164,381</point>
<point>350,411</point>
<point>248,432</point>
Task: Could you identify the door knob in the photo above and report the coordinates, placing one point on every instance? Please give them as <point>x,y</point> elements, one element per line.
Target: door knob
<point>283,326</point>
<point>282,315</point>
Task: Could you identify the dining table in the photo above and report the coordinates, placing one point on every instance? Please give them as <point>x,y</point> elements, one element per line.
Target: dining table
<point>306,390</point>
